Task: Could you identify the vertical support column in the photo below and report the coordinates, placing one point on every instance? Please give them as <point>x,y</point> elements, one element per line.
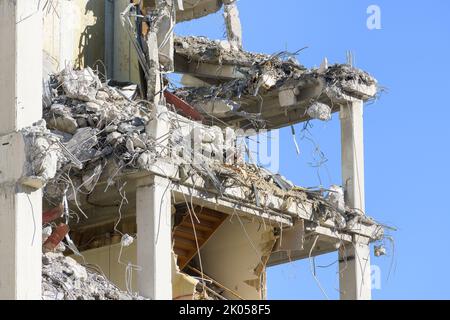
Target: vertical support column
<point>165,29</point>
<point>233,24</point>
<point>109,38</point>
<point>125,58</point>
<point>21,106</point>
<point>154,247</point>
<point>354,262</point>
<point>154,82</point>
<point>154,207</point>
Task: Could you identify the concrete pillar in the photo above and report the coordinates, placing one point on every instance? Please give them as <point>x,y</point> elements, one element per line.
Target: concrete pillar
<point>125,58</point>
<point>153,215</point>
<point>354,262</point>
<point>154,233</point>
<point>233,23</point>
<point>20,106</point>
<point>165,30</point>
<point>154,83</point>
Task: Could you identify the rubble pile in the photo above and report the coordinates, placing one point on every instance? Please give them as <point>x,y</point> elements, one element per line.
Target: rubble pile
<point>63,278</point>
<point>94,122</point>
<point>202,49</point>
<point>269,75</point>
<point>344,81</point>
<point>260,77</point>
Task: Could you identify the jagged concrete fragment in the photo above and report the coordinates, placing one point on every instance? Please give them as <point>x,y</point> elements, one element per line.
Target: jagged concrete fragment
<point>233,24</point>
<point>80,84</point>
<point>82,142</point>
<point>163,25</point>
<point>346,83</point>
<point>60,118</point>
<point>91,176</point>
<point>44,155</point>
<point>215,52</point>
<point>319,111</point>
<point>336,197</point>
<point>154,76</point>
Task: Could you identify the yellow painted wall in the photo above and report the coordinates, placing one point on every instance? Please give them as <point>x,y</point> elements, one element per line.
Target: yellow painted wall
<point>233,257</point>
<point>114,264</point>
<point>235,254</point>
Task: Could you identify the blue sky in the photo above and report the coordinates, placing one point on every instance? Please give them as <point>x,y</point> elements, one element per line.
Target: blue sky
<point>407,130</point>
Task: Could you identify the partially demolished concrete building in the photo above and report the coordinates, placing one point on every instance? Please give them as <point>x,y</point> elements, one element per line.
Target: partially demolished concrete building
<point>109,174</point>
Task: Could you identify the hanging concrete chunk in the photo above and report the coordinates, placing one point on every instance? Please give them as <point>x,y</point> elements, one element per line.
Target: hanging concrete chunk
<point>336,197</point>
<point>319,111</point>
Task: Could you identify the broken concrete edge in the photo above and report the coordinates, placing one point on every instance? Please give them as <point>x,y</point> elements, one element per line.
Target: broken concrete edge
<point>112,133</point>
<point>265,76</point>
<point>279,208</point>
<point>184,135</point>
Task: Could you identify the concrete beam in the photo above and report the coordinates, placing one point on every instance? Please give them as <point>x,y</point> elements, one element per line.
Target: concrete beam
<point>354,261</point>
<point>21,106</point>
<point>206,70</point>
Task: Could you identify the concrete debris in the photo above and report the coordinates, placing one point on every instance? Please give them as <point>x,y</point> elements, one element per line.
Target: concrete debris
<point>241,76</point>
<point>65,279</point>
<point>80,84</point>
<point>380,251</point>
<point>233,24</point>
<point>53,242</point>
<point>215,52</point>
<point>46,232</point>
<point>294,83</point>
<point>344,82</point>
<point>218,107</point>
<point>127,240</point>
<point>99,134</point>
<point>259,78</point>
<point>98,120</point>
<point>336,197</point>
<point>323,66</point>
<point>319,111</point>
<point>44,155</point>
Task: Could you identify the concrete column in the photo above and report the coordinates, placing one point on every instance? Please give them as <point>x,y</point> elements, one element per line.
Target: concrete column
<point>354,262</point>
<point>233,23</point>
<point>125,58</point>
<point>165,30</point>
<point>154,234</point>
<point>153,215</point>
<point>20,106</point>
<point>154,84</point>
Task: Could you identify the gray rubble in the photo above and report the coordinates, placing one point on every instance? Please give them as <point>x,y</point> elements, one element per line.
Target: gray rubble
<point>203,49</point>
<point>63,278</point>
